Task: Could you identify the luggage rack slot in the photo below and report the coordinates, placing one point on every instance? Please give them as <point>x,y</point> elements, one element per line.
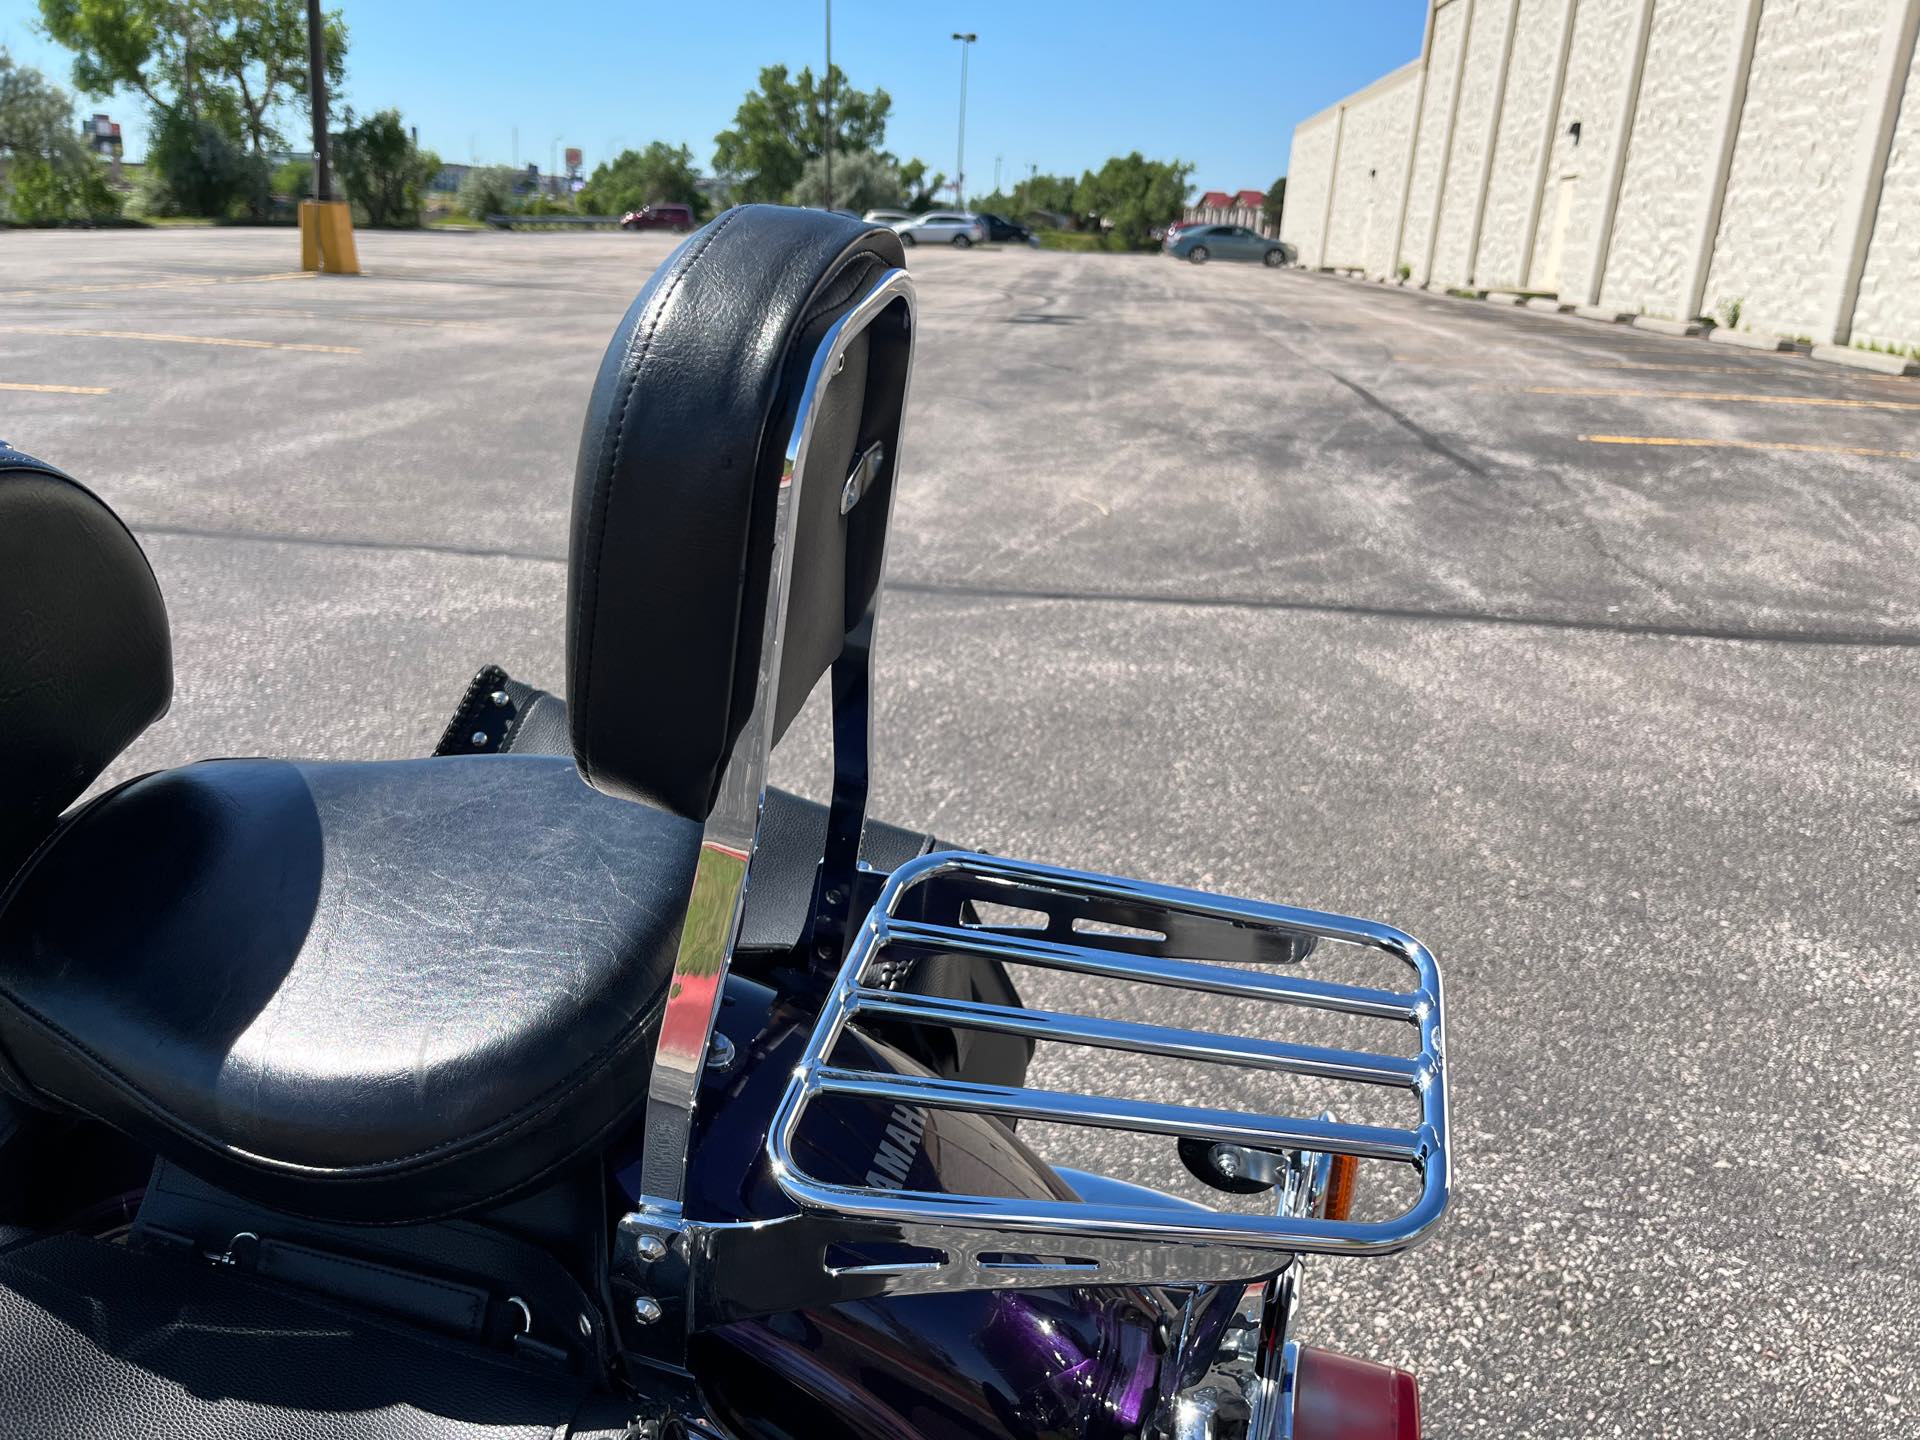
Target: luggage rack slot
<point>1147,935</point>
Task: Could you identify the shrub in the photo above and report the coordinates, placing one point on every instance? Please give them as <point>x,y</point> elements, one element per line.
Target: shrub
<point>385,174</point>
<point>40,192</point>
<point>199,167</point>
<point>644,177</point>
<point>862,181</point>
<point>293,180</point>
<point>488,190</point>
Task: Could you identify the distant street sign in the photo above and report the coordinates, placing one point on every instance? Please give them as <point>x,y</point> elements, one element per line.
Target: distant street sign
<point>573,158</point>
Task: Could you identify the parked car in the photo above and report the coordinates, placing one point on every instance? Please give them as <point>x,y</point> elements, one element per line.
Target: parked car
<point>677,218</point>
<point>959,228</point>
<point>1223,242</point>
<point>1004,231</point>
<point>886,217</point>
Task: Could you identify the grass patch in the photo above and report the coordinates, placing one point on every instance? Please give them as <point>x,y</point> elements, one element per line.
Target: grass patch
<point>1078,240</point>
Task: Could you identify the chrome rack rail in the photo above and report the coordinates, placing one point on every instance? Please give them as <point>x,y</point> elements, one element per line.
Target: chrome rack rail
<point>1150,935</point>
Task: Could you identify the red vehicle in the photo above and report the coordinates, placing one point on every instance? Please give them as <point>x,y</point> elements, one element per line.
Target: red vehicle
<point>677,218</point>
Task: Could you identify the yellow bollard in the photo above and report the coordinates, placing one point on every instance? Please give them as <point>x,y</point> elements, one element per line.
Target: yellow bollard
<point>326,237</point>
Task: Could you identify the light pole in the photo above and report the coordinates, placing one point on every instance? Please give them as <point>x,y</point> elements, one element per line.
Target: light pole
<point>317,82</point>
<point>960,160</point>
<point>553,164</point>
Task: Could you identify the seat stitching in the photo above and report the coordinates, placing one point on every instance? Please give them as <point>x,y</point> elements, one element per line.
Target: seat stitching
<point>603,484</point>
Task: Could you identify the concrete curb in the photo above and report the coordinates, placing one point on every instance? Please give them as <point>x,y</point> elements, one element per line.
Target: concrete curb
<point>1873,360</point>
<point>1668,327</point>
<point>1721,335</point>
<point>1867,360</point>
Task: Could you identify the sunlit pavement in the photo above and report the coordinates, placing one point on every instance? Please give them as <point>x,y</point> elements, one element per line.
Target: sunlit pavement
<point>1285,585</point>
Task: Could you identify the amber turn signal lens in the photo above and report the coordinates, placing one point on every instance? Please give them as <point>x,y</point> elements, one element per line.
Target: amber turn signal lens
<point>1340,1178</point>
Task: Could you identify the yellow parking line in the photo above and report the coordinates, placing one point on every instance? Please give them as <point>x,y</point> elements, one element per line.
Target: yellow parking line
<point>55,389</point>
<point>275,312</point>
<point>173,284</point>
<point>1719,396</point>
<point>182,339</point>
<point>1750,445</point>
<point>1536,360</point>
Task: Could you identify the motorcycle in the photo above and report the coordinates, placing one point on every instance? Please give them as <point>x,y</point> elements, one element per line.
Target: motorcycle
<point>573,1081</point>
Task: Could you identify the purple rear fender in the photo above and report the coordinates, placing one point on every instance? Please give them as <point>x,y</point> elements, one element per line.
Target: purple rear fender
<point>1009,1364</point>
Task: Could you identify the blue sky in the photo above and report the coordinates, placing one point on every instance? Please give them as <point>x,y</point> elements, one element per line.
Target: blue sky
<point>1061,84</point>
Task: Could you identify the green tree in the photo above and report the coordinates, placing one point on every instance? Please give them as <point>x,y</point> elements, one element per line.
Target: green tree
<point>294,180</point>
<point>385,173</point>
<point>781,124</point>
<point>633,178</point>
<point>198,165</point>
<point>50,174</point>
<point>488,190</point>
<point>36,117</point>
<point>1275,203</point>
<point>1052,193</point>
<point>1131,194</point>
<point>40,192</point>
<point>236,62</point>
<point>862,180</point>
<point>921,188</point>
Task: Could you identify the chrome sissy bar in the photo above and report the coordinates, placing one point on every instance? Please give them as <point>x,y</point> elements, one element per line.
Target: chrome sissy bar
<point>651,1250</point>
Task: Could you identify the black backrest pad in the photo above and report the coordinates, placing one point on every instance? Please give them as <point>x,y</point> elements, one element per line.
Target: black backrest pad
<point>678,485</point>
<point>85,662</point>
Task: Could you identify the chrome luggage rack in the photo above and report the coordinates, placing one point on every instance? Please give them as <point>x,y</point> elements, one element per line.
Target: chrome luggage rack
<point>1131,931</point>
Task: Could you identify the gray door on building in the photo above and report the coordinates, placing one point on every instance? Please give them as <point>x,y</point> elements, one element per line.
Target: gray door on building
<point>1549,277</point>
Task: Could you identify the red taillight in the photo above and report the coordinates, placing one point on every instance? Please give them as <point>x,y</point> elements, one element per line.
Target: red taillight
<point>1336,1397</point>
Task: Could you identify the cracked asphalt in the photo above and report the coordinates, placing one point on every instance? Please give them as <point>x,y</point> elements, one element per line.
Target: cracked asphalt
<point>1590,657</point>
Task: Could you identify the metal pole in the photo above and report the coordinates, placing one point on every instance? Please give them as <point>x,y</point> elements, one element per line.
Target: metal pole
<point>960,158</point>
<point>826,140</point>
<point>317,83</point>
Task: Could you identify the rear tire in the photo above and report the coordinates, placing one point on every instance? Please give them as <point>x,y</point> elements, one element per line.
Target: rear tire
<point>1198,255</point>
<point>962,242</point>
<point>908,240</point>
<point>1273,259</point>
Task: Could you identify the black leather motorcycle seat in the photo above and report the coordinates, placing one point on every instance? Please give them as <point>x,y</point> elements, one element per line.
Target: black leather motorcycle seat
<point>379,991</point>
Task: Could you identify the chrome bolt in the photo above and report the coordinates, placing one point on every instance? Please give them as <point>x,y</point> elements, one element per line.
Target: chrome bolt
<point>479,737</point>
<point>586,1325</point>
<point>720,1053</point>
<point>646,1309</point>
<point>651,1247</point>
<point>500,697</point>
<point>1227,1163</point>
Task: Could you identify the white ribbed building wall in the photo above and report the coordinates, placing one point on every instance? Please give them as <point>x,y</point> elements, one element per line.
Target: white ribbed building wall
<point>1758,154</point>
<point>1525,136</point>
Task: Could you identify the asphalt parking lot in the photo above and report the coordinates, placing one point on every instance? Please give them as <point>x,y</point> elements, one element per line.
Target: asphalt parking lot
<point>1591,657</point>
